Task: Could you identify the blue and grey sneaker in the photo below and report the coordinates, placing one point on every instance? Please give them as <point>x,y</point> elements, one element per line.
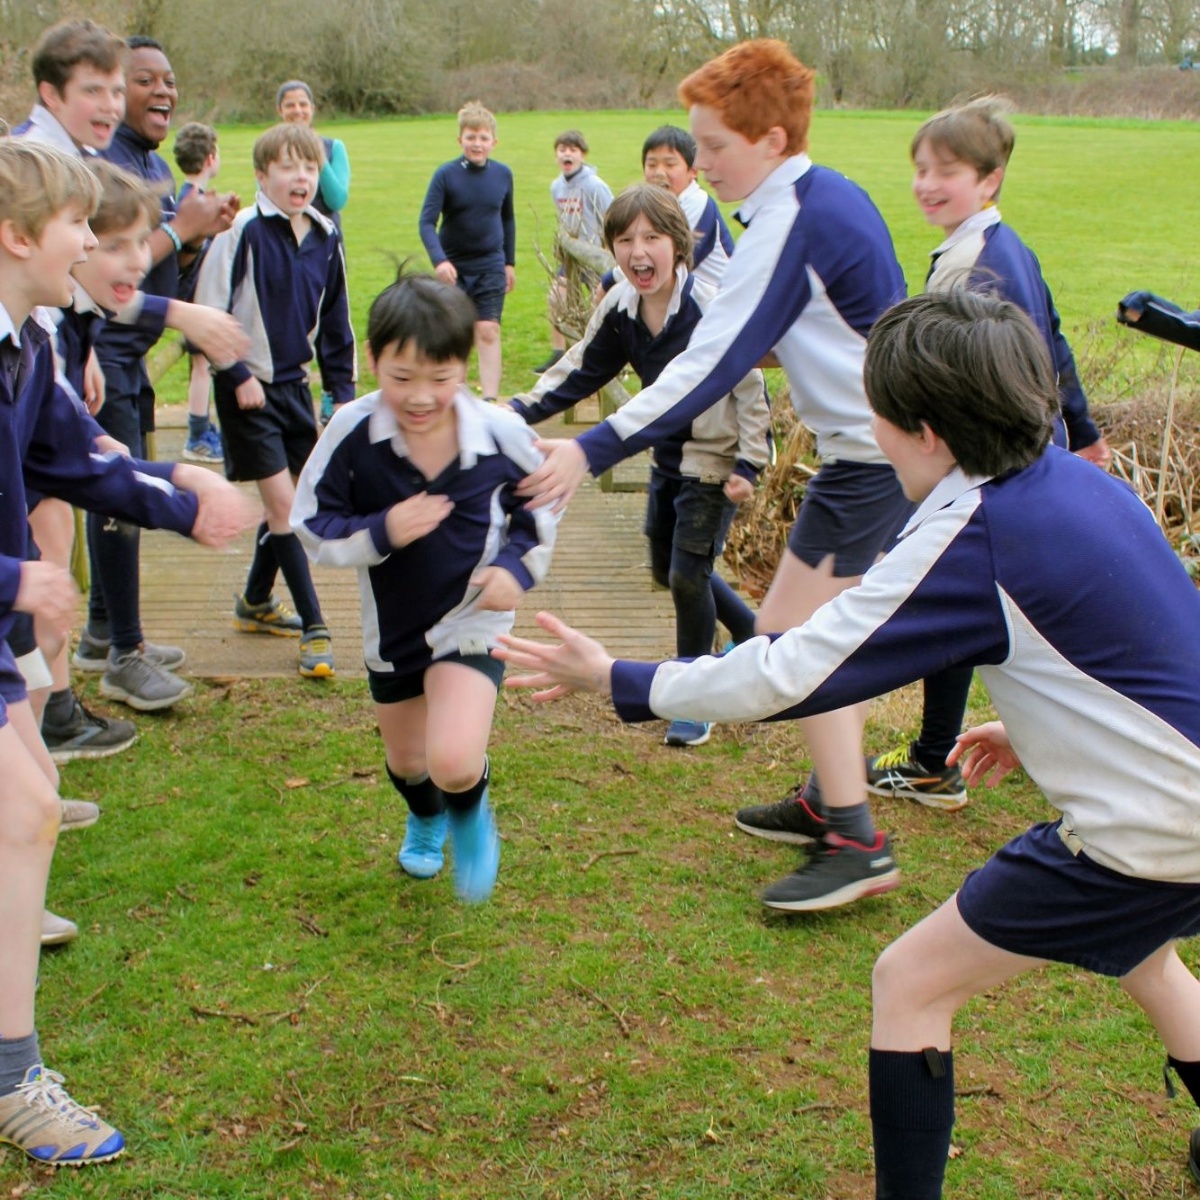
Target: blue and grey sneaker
<point>421,851</point>
<point>316,653</point>
<point>327,408</point>
<point>93,654</point>
<point>688,733</point>
<point>476,851</point>
<point>41,1119</point>
<point>207,448</point>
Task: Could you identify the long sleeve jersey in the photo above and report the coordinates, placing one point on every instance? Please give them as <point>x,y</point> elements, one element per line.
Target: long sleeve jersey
<point>289,298</point>
<point>1054,583</point>
<point>417,601</point>
<point>124,345</point>
<point>810,275</point>
<point>1148,313</point>
<point>582,200</point>
<point>730,436</point>
<point>986,254</point>
<point>478,231</point>
<point>46,446</point>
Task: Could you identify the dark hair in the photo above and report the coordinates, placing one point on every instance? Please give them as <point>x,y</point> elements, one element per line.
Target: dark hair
<point>673,138</point>
<point>973,368</point>
<point>193,144</point>
<point>571,137</point>
<point>139,41</point>
<point>660,208</point>
<point>64,46</point>
<point>438,318</point>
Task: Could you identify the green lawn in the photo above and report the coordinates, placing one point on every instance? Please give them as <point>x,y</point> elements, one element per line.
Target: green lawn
<point>1106,205</point>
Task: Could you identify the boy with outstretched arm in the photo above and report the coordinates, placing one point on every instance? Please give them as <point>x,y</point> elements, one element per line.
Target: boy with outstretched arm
<point>281,271</point>
<point>475,244</point>
<point>960,157</point>
<point>810,275</point>
<point>1095,675</point>
<point>414,485</point>
<point>702,472</point>
<point>46,444</point>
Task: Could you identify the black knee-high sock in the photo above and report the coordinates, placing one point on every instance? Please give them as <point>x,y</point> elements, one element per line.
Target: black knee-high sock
<point>1189,1076</point>
<point>423,796</point>
<point>912,1114</point>
<point>461,802</point>
<point>264,566</point>
<point>294,565</point>
<point>945,705</point>
<point>114,609</point>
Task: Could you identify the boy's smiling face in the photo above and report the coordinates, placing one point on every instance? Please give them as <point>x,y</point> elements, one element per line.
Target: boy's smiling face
<point>90,106</point>
<point>65,241</point>
<point>646,257</point>
<point>477,145</point>
<point>668,168</point>
<point>151,96</point>
<point>418,391</point>
<point>290,183</point>
<point>114,271</point>
<point>570,158</point>
<point>733,165</point>
<point>949,190</point>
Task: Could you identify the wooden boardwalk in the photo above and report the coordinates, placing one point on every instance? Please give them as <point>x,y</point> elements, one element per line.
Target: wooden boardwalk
<point>599,581</point>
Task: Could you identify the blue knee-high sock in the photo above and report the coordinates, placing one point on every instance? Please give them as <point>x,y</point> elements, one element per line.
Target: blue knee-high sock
<point>912,1114</point>
<point>294,565</point>
<point>264,566</point>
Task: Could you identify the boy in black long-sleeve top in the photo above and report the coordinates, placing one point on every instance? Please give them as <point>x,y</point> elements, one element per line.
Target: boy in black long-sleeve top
<point>475,245</point>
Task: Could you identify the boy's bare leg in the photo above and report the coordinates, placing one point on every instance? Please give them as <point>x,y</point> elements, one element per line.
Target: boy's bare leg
<point>834,738</point>
<point>402,728</point>
<point>1169,994</point>
<point>29,820</point>
<point>199,386</point>
<point>461,702</point>
<point>53,525</point>
<point>487,346</point>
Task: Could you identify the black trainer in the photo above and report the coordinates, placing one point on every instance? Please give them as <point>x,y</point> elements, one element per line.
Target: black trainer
<point>839,873</point>
<point>898,773</point>
<point>85,734</point>
<point>797,818</point>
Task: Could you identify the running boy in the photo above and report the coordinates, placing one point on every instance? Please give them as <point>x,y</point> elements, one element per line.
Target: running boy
<point>415,486</point>
<point>281,271</point>
<point>703,471</point>
<point>810,275</point>
<point>581,199</point>
<point>46,198</point>
<point>475,245</point>
<point>960,158</point>
<point>1096,676</point>
<point>197,156</point>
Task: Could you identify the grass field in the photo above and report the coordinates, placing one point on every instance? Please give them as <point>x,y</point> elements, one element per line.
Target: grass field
<point>1107,206</point>
<point>268,1009</point>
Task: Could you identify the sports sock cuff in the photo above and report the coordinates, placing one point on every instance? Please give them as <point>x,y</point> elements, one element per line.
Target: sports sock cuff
<point>197,426</point>
<point>465,801</point>
<point>17,1055</point>
<point>853,823</point>
<point>1189,1076</point>
<point>422,795</point>
<point>912,1089</point>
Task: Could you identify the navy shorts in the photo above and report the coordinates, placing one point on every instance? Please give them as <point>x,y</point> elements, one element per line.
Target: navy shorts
<point>854,512</point>
<point>261,442</point>
<point>686,513</point>
<point>12,683</point>
<point>393,689</point>
<point>487,292</point>
<point>1035,897</point>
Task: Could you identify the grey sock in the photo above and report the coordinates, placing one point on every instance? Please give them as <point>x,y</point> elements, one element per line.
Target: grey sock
<point>17,1055</point>
<point>853,823</point>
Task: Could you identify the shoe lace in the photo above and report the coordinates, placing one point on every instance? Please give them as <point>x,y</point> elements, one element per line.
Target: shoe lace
<point>46,1092</point>
<point>319,645</point>
<point>893,758</point>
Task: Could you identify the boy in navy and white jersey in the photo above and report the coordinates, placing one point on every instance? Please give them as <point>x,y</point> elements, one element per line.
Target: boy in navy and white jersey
<point>1095,674</point>
<point>475,244</point>
<point>960,158</point>
<point>700,473</point>
<point>281,271</point>
<point>414,485</point>
<point>812,272</point>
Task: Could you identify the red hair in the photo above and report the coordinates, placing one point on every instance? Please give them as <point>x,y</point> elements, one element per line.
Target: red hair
<point>756,86</point>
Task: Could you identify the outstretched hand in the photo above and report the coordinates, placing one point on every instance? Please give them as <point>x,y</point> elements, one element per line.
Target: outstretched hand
<point>559,476</point>
<point>575,663</point>
<point>984,754</point>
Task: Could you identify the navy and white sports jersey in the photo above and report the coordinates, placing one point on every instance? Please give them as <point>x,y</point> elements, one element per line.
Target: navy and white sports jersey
<point>1057,585</point>
<point>417,601</point>
<point>988,256</point>
<point>478,231</point>
<point>289,298</point>
<point>124,345</point>
<point>45,446</point>
<point>813,271</point>
<point>582,200</point>
<point>730,436</point>
<point>714,242</point>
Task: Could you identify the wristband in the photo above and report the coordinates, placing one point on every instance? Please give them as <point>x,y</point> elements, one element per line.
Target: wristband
<point>169,230</point>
